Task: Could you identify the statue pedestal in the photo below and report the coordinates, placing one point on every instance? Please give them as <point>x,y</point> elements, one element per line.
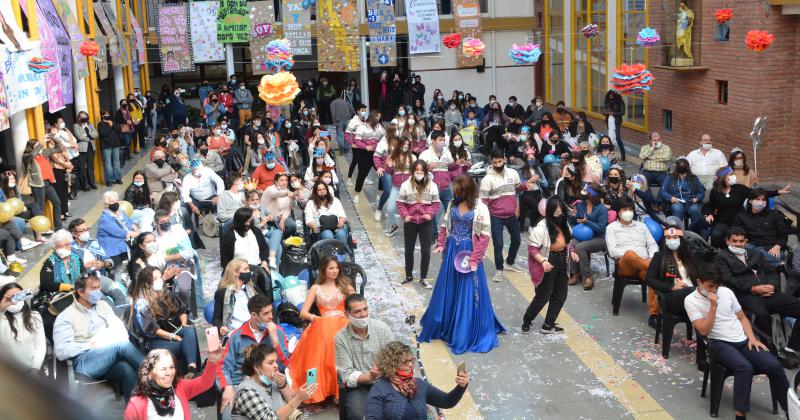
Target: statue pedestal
<point>682,62</point>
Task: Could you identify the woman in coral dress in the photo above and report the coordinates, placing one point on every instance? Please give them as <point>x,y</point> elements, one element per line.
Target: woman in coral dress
<point>315,349</point>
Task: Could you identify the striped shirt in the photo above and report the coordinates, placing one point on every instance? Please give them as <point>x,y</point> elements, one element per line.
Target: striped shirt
<point>355,355</point>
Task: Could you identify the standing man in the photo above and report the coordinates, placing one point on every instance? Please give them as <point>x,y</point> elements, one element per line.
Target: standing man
<point>706,161</point>
<point>417,89</point>
<point>243,100</point>
<point>439,159</point>
<point>341,113</point>
<point>655,161</point>
<point>204,90</point>
<point>326,93</point>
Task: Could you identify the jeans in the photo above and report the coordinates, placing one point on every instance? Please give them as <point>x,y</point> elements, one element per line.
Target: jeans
<point>356,402</point>
<point>62,189</point>
<point>425,233</point>
<point>113,290</point>
<point>512,224</point>
<point>585,249</point>
<point>655,179</point>
<point>340,128</point>
<point>9,236</point>
<point>552,291</point>
<point>391,205</point>
<point>744,362</point>
<point>49,193</point>
<point>680,209</point>
<point>111,167</point>
<point>125,140</point>
<point>274,238</point>
<point>771,260</point>
<point>386,183</point>
<point>20,222</point>
<point>115,362</point>
<point>445,195</point>
<point>185,349</point>
<point>339,234</point>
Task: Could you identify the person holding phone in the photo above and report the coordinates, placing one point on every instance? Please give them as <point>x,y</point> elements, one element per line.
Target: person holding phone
<point>21,329</point>
<point>716,314</point>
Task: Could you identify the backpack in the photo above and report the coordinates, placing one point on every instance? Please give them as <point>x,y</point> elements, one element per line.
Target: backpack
<point>288,314</point>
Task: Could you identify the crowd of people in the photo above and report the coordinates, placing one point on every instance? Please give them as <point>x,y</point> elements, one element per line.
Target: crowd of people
<point>455,176</point>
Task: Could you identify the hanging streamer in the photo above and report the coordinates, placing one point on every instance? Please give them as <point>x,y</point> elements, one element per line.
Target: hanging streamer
<point>525,54</point>
<point>631,79</point>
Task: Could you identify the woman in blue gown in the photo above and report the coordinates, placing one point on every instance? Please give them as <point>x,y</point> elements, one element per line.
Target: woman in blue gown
<point>460,310</point>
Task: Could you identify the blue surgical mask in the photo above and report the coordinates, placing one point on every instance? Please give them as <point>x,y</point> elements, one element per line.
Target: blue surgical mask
<point>672,244</point>
<point>264,380</point>
<point>94,297</point>
<point>262,326</point>
<point>531,162</point>
<point>270,165</point>
<point>363,115</point>
<point>401,113</point>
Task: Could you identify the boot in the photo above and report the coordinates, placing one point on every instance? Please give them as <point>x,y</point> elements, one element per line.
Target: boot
<point>588,283</point>
<point>573,280</point>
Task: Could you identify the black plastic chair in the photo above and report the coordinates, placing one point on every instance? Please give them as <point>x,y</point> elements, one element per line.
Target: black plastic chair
<point>666,324</point>
<point>351,271</point>
<point>620,283</point>
<point>342,396</point>
<point>324,248</point>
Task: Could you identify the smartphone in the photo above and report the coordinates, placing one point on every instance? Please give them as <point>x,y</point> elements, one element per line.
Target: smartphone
<point>461,367</point>
<point>311,376</point>
<point>212,339</point>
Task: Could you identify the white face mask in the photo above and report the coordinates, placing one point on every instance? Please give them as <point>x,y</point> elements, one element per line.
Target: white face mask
<point>732,180</point>
<point>359,323</point>
<point>296,184</point>
<point>738,163</point>
<point>217,132</point>
<point>15,307</point>
<point>404,149</point>
<point>223,126</point>
<point>626,216</point>
<point>736,250</point>
<point>419,177</point>
<point>657,145</point>
<point>457,143</point>
<point>83,237</point>
<point>707,146</point>
<point>411,122</point>
<point>397,133</point>
<point>158,284</point>
<point>63,252</point>
<point>61,125</point>
<point>151,247</point>
<point>672,244</point>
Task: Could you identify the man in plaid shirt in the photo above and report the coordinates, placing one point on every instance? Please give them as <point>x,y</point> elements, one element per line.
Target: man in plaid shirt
<point>655,160</point>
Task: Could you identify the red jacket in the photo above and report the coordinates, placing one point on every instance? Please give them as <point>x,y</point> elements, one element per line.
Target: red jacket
<point>185,391</point>
<point>266,177</point>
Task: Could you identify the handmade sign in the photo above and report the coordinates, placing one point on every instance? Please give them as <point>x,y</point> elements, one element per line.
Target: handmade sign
<point>758,40</point>
<point>205,47</point>
<point>382,33</point>
<point>138,39</point>
<point>5,116</point>
<point>101,59</point>
<point>122,39</point>
<point>24,87</point>
<point>467,14</point>
<point>262,31</point>
<point>110,34</point>
<point>174,45</point>
<point>338,44</point>
<point>631,79</point>
<point>48,20</point>
<point>68,19</point>
<point>233,21</point>
<point>524,54</point>
<point>278,89</point>
<point>423,27</point>
<point>297,26</point>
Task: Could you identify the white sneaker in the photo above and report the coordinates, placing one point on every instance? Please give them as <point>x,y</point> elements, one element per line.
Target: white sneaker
<point>369,181</point>
<point>272,263</point>
<point>355,199</point>
<point>28,244</point>
<point>349,182</point>
<point>513,267</point>
<point>378,215</point>
<point>12,258</point>
<point>498,277</point>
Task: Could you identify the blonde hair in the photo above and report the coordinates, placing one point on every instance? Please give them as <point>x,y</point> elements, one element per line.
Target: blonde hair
<point>231,273</point>
<point>391,357</point>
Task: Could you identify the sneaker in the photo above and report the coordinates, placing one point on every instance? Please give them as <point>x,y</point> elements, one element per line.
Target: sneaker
<point>526,328</point>
<point>12,258</point>
<point>349,182</point>
<point>425,284</point>
<point>392,230</point>
<point>498,276</point>
<point>272,263</point>
<point>378,215</point>
<point>369,181</point>
<point>514,267</point>
<point>551,329</point>
<point>406,281</point>
<point>28,244</point>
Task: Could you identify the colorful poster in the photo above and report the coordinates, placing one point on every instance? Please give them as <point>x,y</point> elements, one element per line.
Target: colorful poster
<point>101,59</point>
<point>138,40</point>
<point>205,47</point>
<point>297,26</point>
<point>12,35</point>
<point>338,45</point>
<point>64,10</point>
<point>467,15</point>
<point>5,116</point>
<point>382,33</point>
<point>233,21</point>
<point>262,31</point>
<point>113,41</point>
<point>122,39</point>
<point>47,17</point>
<point>174,46</point>
<point>423,27</point>
<point>24,87</point>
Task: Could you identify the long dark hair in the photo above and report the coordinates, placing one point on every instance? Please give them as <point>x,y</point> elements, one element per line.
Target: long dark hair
<point>399,159</point>
<point>689,175</point>
<point>27,319</point>
<point>685,255</point>
<point>553,228</point>
<point>141,288</point>
<point>420,186</point>
<point>8,191</point>
<point>721,182</point>
<point>143,198</point>
<point>457,152</point>
<point>241,216</point>
<point>342,282</point>
<point>732,158</point>
<point>319,201</point>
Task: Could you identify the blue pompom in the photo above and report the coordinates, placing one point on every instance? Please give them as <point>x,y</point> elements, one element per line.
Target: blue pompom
<point>551,159</point>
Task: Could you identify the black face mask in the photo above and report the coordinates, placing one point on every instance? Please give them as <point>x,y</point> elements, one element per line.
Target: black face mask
<point>165,226</point>
<point>245,276</point>
<point>204,152</point>
<point>159,162</point>
<point>174,135</point>
<point>113,207</point>
<point>613,179</point>
<point>681,169</point>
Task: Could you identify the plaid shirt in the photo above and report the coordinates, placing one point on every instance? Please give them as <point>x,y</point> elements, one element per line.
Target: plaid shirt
<point>355,356</point>
<point>656,160</point>
<point>251,403</point>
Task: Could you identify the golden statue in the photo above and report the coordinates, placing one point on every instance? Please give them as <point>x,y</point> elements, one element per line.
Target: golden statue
<point>683,31</point>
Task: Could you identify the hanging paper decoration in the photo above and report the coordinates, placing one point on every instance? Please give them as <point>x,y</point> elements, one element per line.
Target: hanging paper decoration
<point>452,40</point>
<point>279,56</point>
<point>631,79</point>
<point>591,30</point>
<point>723,15</point>
<point>307,4</point>
<point>758,40</point>
<point>647,37</point>
<point>473,47</point>
<point>40,65</point>
<point>525,54</point>
<point>89,48</point>
<point>278,89</point>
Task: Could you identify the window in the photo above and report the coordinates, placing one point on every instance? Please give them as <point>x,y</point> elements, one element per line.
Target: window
<point>633,17</point>
<point>554,50</point>
<point>667,120</point>
<point>589,77</point>
<point>722,92</point>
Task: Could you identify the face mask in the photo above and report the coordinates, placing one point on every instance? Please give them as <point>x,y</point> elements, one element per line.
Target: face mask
<point>758,205</point>
<point>61,125</point>
<point>114,207</point>
<point>613,179</point>
<point>732,180</point>
<point>151,247</point>
<point>363,115</point>
<point>138,183</point>
<point>440,97</point>
<point>158,284</point>
<point>523,137</point>
<point>245,276</point>
<point>397,133</point>
<point>411,122</point>
<point>83,237</point>
<point>681,169</point>
<point>165,226</point>
<point>499,169</point>
<point>260,141</point>
<point>531,162</point>
<point>738,163</point>
<point>12,184</point>
<point>263,378</point>
<point>94,297</point>
<point>404,149</point>
<point>271,165</point>
<point>256,124</point>
<point>223,126</point>
<point>453,106</point>
<point>401,113</point>
<point>736,250</point>
<point>359,323</point>
<point>63,252</point>
<point>204,152</point>
<point>707,146</point>
<point>326,181</point>
<point>419,177</point>
<point>626,216</point>
<point>217,132</point>
<point>15,307</point>
<point>319,161</point>
<point>672,244</point>
<point>457,143</point>
<point>296,184</point>
<point>241,87</point>
<point>159,162</point>
<point>460,96</point>
<point>512,103</point>
<point>262,326</point>
<point>288,124</point>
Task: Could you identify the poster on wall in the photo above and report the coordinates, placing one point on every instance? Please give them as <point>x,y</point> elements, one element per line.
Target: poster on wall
<point>5,116</point>
<point>262,31</point>
<point>233,21</point>
<point>174,45</point>
<point>297,26</point>
<point>12,36</point>
<point>138,40</point>
<point>423,27</point>
<point>24,87</point>
<point>52,78</point>
<point>114,42</point>
<point>382,33</point>
<point>122,39</point>
<point>205,47</point>
<point>101,59</point>
<point>70,23</point>
<point>467,15</point>
<point>338,44</point>
<point>48,18</point>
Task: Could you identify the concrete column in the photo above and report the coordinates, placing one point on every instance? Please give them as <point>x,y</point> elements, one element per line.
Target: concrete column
<point>79,89</point>
<point>20,137</point>
<point>568,51</point>
<point>229,63</point>
<point>611,38</point>
<point>492,42</point>
<point>364,73</point>
<point>119,85</point>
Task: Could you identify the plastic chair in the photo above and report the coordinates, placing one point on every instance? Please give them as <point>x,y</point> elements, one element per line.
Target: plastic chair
<point>351,271</point>
<point>666,324</point>
<point>323,248</point>
<point>620,283</point>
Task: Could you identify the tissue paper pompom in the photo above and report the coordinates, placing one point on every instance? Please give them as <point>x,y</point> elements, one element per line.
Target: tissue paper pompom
<point>723,15</point>
<point>647,37</point>
<point>452,40</point>
<point>278,89</point>
<point>631,79</point>
<point>89,48</point>
<point>40,65</point>
<point>591,30</point>
<point>473,47</point>
<point>279,56</point>
<point>525,54</point>
<point>758,40</point>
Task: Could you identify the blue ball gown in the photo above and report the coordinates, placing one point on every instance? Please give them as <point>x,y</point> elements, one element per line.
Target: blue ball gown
<point>460,311</point>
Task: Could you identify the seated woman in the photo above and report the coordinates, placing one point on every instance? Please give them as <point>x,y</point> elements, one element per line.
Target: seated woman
<point>594,168</point>
<point>684,191</point>
<point>163,318</point>
<point>244,241</point>
<point>277,202</point>
<point>263,393</point>
<point>236,288</point>
<point>138,194</point>
<point>398,395</point>
<point>568,187</point>
<point>114,229</point>
<point>230,200</point>
<point>315,348</point>
<point>606,149</point>
<point>170,201</point>
<point>318,166</point>
<point>590,212</point>
<point>21,330</point>
<point>144,253</point>
<point>767,231</point>
<point>738,161</point>
<point>161,394</point>
<point>302,193</point>
<point>325,215</point>
<point>59,272</point>
<point>673,270</point>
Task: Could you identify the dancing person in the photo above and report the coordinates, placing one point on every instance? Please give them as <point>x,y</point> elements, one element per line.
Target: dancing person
<point>418,202</point>
<point>499,192</point>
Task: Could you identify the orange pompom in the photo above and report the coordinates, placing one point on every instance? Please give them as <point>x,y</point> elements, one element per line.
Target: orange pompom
<point>278,89</point>
<point>723,15</point>
<point>758,40</point>
<point>473,47</point>
<point>452,40</point>
<point>89,48</point>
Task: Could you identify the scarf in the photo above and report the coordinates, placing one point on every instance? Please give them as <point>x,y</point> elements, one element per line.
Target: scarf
<point>163,399</point>
<point>405,383</point>
<point>60,274</point>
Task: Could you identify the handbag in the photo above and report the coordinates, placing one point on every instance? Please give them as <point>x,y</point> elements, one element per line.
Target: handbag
<point>329,222</point>
<point>59,301</point>
<point>210,225</point>
<point>23,186</point>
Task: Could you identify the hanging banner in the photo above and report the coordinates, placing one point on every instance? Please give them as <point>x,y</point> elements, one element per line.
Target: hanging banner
<point>122,39</point>
<point>467,14</point>
<point>47,17</point>
<point>101,59</point>
<point>24,87</point>
<point>138,40</point>
<point>203,17</point>
<point>5,116</point>
<point>382,33</point>
<point>113,41</point>
<point>233,21</point>
<point>262,31</point>
<point>297,26</point>
<point>174,45</point>
<point>12,36</point>
<point>423,27</point>
<point>338,45</point>
<point>75,36</point>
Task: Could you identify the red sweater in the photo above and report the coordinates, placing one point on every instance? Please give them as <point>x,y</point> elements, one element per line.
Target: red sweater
<point>185,391</point>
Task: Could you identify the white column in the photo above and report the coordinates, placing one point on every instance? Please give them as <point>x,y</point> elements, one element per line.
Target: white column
<point>364,73</point>
<point>611,38</point>
<point>229,63</point>
<point>117,71</point>
<point>568,52</point>
<point>20,137</point>
<point>79,85</point>
<point>493,63</point>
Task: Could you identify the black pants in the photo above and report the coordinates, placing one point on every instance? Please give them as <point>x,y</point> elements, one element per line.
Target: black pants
<point>85,167</point>
<point>529,208</point>
<point>779,303</point>
<point>674,300</point>
<point>40,194</point>
<point>552,291</point>
<point>353,162</point>
<point>718,231</point>
<point>62,189</point>
<point>355,402</point>
<point>425,233</point>
<point>364,162</point>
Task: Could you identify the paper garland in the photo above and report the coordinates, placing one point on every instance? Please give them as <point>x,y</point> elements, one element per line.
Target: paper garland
<point>631,79</point>
<point>473,47</point>
<point>647,37</point>
<point>525,54</point>
<point>278,89</point>
<point>723,15</point>
<point>40,65</point>
<point>279,56</point>
<point>591,30</point>
<point>758,40</point>
<point>452,40</point>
